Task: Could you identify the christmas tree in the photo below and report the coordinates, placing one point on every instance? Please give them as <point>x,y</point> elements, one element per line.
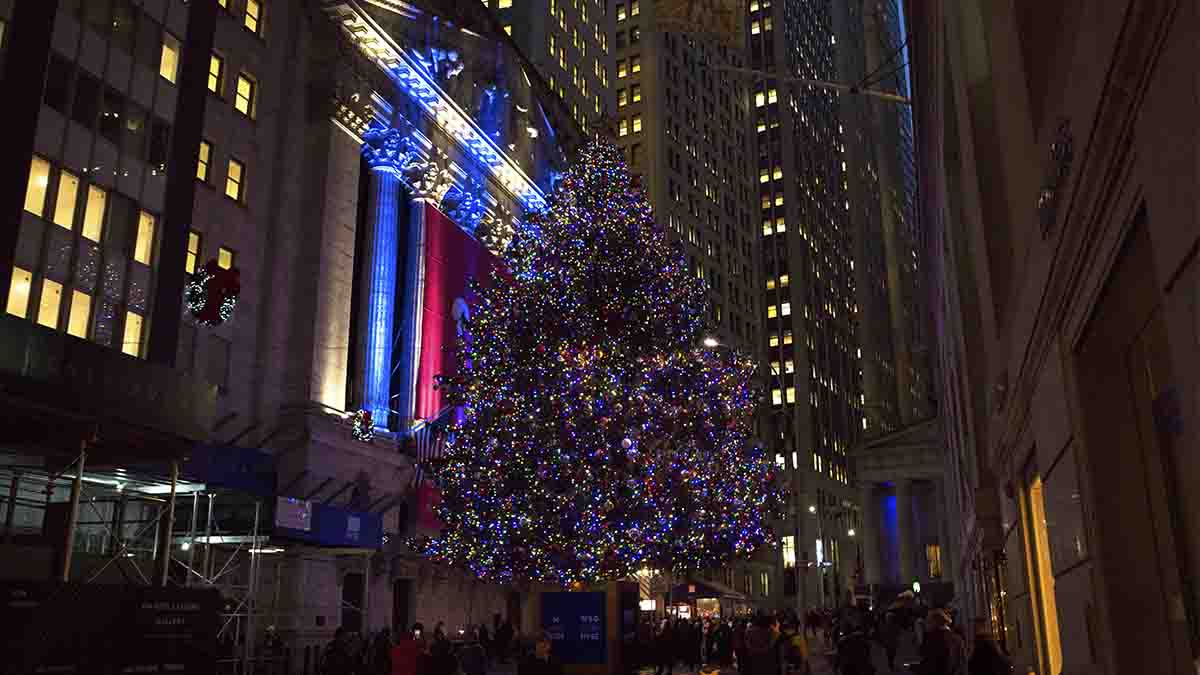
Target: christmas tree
<point>598,434</point>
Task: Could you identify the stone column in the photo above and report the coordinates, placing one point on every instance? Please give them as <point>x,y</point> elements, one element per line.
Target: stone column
<point>383,150</point>
<point>869,537</point>
<point>429,182</point>
<point>904,529</point>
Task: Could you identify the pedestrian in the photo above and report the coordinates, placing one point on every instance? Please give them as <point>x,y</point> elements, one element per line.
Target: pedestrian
<point>854,649</point>
<point>793,648</point>
<point>889,637</point>
<point>739,647</point>
<point>541,662</point>
<point>504,636</point>
<point>409,652</point>
<point>986,657</point>
<point>441,660</point>
<point>942,650</point>
<point>471,656</point>
<point>336,659</point>
<point>762,653</point>
<point>664,646</point>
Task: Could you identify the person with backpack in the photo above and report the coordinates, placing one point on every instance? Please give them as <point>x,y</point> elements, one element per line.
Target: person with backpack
<point>793,648</point>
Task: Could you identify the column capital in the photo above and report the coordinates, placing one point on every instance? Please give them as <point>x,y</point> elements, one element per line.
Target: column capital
<point>468,204</point>
<point>496,229</point>
<point>430,180</point>
<point>388,148</point>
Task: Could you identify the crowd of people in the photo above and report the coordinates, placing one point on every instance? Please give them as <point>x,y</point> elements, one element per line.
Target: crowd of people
<point>765,644</point>
<point>417,652</point>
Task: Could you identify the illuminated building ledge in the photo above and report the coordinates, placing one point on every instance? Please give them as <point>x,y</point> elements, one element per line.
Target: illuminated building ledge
<point>378,46</point>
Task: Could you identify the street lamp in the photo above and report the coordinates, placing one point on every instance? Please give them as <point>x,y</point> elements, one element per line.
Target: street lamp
<point>711,342</point>
<point>850,532</point>
<point>812,509</point>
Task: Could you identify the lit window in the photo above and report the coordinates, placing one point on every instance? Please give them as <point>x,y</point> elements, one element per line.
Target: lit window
<point>35,192</point>
<point>772,95</point>
<point>789,366</point>
<point>622,69</point>
<point>216,74</point>
<point>771,284</point>
<point>773,340</point>
<point>777,173</point>
<point>18,292</point>
<point>635,64</point>
<point>783,280</point>
<point>234,180</point>
<point>621,15</point>
<point>132,344</point>
<point>623,127</point>
<point>81,311</point>
<point>635,8</point>
<point>253,16</point>
<point>780,224</point>
<point>205,159</point>
<point>791,394</point>
<point>786,309</point>
<point>168,61</point>
<point>933,554</point>
<point>764,176</point>
<point>551,42</point>
<point>244,103</point>
<point>144,245</point>
<point>637,123</point>
<point>787,337</point>
<point>622,98</point>
<point>193,252</point>
<point>760,99</point>
<point>49,303</point>
<point>767,24</point>
<point>93,213</point>
<point>635,92</point>
<point>508,30</point>
<point>223,3</point>
<point>754,27</point>
<point>224,258</point>
<point>562,58</point>
<point>64,204</point>
<point>504,4</point>
<point>772,311</point>
<point>776,397</point>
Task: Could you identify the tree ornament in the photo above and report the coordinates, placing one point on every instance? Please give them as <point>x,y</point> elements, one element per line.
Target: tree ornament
<point>626,443</point>
<point>362,427</point>
<point>212,293</point>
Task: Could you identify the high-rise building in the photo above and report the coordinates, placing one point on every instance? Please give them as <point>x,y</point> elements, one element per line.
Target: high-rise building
<point>569,42</point>
<point>838,249</point>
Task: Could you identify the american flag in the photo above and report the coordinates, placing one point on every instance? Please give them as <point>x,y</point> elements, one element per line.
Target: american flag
<point>428,441</point>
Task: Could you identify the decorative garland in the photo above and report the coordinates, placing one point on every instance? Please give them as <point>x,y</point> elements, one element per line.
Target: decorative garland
<point>361,426</point>
<point>212,293</point>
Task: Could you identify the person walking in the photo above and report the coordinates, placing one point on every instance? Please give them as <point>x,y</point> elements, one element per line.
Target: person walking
<point>854,649</point>
<point>762,649</point>
<point>793,648</point>
<point>942,650</point>
<point>664,646</point>
<point>889,637</point>
<point>986,657</point>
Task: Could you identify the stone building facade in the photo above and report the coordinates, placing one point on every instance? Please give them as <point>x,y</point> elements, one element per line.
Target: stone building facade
<point>324,151</point>
<point>1058,151</point>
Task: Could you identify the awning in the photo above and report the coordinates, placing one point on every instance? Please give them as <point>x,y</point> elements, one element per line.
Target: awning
<point>692,590</point>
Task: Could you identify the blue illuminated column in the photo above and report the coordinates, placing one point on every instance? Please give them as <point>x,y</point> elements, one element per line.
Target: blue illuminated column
<point>429,182</point>
<point>382,150</point>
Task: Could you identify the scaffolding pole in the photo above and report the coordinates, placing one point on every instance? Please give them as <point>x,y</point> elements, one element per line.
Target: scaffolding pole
<point>72,513</point>
<point>166,523</point>
<point>191,540</point>
<point>13,489</point>
<point>252,591</point>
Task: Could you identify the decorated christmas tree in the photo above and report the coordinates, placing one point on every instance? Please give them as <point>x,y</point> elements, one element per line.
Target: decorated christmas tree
<point>598,435</point>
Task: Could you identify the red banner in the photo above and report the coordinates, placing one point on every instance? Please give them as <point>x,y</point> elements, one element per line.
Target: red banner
<point>452,257</point>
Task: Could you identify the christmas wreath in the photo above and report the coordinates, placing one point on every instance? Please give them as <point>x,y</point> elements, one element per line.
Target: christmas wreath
<point>361,426</point>
<point>212,293</point>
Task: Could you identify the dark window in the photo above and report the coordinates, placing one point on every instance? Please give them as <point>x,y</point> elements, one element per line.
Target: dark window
<point>160,138</point>
<point>87,100</point>
<point>133,128</point>
<point>58,83</point>
<point>121,214</point>
<point>124,26</point>
<point>111,106</point>
<point>149,43</point>
<point>97,14</point>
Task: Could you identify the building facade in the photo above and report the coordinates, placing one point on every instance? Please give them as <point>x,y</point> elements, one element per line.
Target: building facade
<point>843,303</point>
<point>350,163</point>
<point>570,44</point>
<point>1057,155</point>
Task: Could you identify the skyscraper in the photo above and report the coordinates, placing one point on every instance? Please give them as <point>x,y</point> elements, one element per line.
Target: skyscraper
<point>568,42</point>
<point>840,307</point>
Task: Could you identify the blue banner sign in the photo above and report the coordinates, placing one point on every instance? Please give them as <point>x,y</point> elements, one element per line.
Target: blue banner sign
<point>574,622</point>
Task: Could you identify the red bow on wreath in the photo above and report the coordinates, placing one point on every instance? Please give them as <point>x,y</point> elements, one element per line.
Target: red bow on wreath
<point>212,293</point>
